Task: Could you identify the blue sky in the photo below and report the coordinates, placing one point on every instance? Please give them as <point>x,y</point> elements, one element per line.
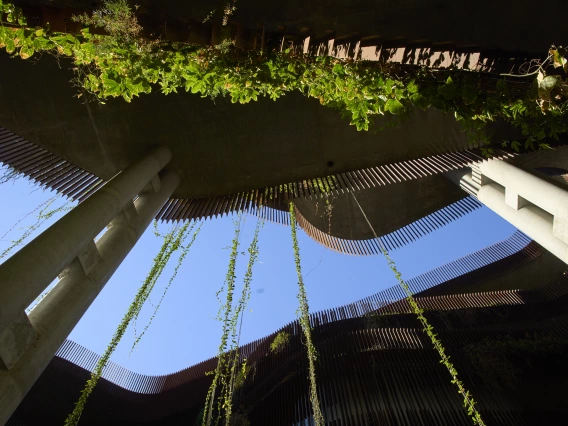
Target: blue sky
<point>185,331</point>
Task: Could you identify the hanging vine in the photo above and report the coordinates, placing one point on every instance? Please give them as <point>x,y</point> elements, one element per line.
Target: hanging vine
<point>173,241</point>
<point>181,258</point>
<point>468,401</point>
<point>9,174</point>
<point>234,366</point>
<point>229,365</point>
<point>219,378</point>
<point>304,318</point>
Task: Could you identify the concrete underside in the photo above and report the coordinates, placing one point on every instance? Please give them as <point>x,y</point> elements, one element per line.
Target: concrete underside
<point>218,148</point>
<point>388,208</point>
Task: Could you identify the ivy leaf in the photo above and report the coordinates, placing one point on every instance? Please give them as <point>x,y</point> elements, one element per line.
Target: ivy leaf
<point>502,85</point>
<point>111,87</point>
<point>26,52</point>
<point>42,43</point>
<point>448,90</point>
<point>439,104</point>
<point>338,69</point>
<point>548,83</point>
<point>394,106</point>
<point>545,85</point>
<point>412,87</point>
<point>515,145</point>
<point>420,101</point>
<point>469,94</point>
<point>529,143</point>
<point>10,45</point>
<point>559,58</point>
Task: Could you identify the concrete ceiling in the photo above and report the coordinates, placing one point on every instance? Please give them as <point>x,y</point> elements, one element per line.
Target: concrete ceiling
<point>219,148</point>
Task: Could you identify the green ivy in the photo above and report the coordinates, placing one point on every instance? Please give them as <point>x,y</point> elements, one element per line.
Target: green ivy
<point>9,174</point>
<point>234,368</point>
<point>224,315</point>
<point>229,369</point>
<point>119,66</point>
<point>279,342</point>
<point>303,313</point>
<point>181,258</point>
<point>468,401</point>
<point>173,241</point>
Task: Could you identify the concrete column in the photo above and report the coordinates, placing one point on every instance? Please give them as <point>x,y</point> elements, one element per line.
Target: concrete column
<point>536,207</point>
<point>530,219</point>
<point>61,309</point>
<point>523,188</point>
<point>26,274</point>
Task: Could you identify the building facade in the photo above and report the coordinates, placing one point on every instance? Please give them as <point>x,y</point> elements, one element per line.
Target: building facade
<point>168,157</point>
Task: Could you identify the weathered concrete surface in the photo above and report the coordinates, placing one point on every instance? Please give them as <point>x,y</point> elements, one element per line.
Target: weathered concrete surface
<point>15,340</point>
<point>218,148</point>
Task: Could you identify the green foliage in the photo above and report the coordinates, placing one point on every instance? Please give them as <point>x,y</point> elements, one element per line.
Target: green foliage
<point>241,375</point>
<point>224,315</point>
<point>226,8</point>
<point>280,342</point>
<point>559,57</point>
<point>14,15</point>
<point>116,18</point>
<point>181,258</point>
<point>230,373</point>
<point>468,401</point>
<point>123,64</point>
<point>303,313</point>
<point>173,241</point>
<point>9,174</point>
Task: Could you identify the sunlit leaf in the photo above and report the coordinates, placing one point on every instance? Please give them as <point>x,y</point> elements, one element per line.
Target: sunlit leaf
<point>448,90</point>
<point>394,106</point>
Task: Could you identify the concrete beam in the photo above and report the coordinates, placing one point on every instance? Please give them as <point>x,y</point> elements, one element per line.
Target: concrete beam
<point>26,274</point>
<point>532,220</point>
<point>522,188</point>
<point>58,313</point>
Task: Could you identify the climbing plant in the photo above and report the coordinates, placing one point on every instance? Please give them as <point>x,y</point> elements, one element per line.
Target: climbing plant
<point>181,258</point>
<point>125,64</point>
<point>468,401</point>
<point>235,369</point>
<point>44,213</point>
<point>224,314</point>
<point>229,369</point>
<point>173,241</point>
<point>8,174</point>
<point>279,342</point>
<point>303,313</point>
